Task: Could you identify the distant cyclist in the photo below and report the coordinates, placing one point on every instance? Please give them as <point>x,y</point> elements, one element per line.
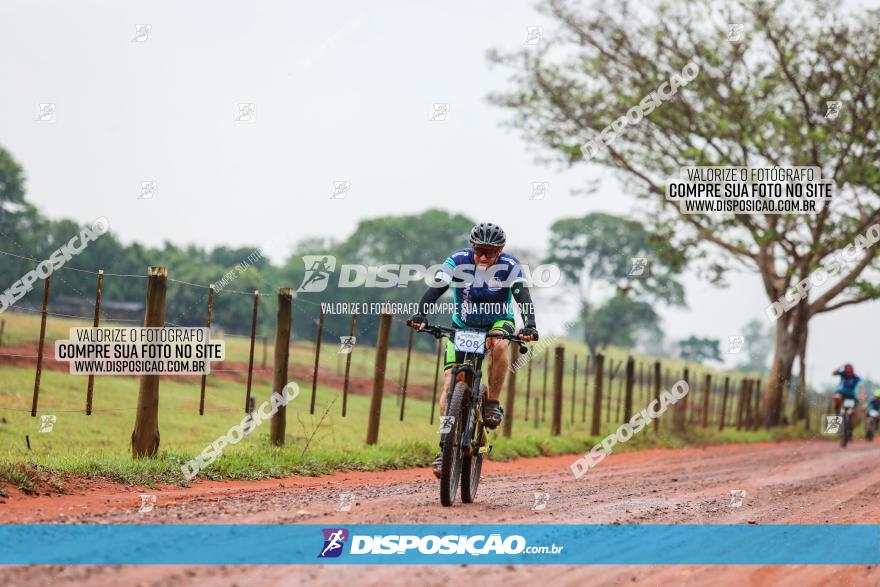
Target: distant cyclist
<point>874,404</point>
<point>872,416</point>
<point>850,386</point>
<point>485,304</point>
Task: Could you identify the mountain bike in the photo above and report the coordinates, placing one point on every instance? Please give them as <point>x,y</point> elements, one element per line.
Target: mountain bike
<point>464,440</point>
<point>871,423</point>
<point>846,424</point>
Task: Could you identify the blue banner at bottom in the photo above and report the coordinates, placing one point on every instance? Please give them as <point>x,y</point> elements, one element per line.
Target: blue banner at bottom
<point>656,544</point>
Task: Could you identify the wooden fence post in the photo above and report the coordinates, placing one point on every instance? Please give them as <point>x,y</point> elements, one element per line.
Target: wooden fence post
<point>596,424</point>
<point>806,409</point>
<point>758,403</point>
<point>278,423</point>
<point>642,388</point>
<point>318,335</point>
<point>529,388</point>
<point>724,402</point>
<point>715,407</point>
<point>558,366</point>
<point>630,383</point>
<point>536,413</point>
<point>544,394</point>
<point>747,415</point>
<point>250,375</point>
<point>745,405</point>
<point>378,379</point>
<point>586,390</point>
<point>436,377</point>
<point>39,372</point>
<point>2,328</point>
<point>513,349</point>
<point>657,384</point>
<point>620,385</point>
<point>707,388</point>
<point>90,387</point>
<point>692,406</point>
<point>205,377</point>
<point>680,410</point>
<point>145,437</point>
<point>611,373</point>
<point>574,375</point>
<point>348,368</point>
<point>406,373</point>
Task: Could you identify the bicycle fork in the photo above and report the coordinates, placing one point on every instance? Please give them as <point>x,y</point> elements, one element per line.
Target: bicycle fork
<point>475,420</point>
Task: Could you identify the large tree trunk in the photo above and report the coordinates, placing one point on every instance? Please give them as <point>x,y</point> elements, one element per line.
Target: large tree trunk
<point>801,402</point>
<point>791,337</point>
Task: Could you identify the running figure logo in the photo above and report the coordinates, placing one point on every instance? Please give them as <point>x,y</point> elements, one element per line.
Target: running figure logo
<point>541,499</point>
<point>334,540</point>
<point>446,424</point>
<point>735,343</point>
<point>148,503</point>
<point>832,424</point>
<point>736,498</point>
<point>47,423</point>
<point>638,266</point>
<point>735,32</point>
<point>346,500</point>
<point>833,109</point>
<point>318,269</point>
<point>346,344</point>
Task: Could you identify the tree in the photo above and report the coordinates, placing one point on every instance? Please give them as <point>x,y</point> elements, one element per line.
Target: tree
<point>19,221</point>
<point>761,102</point>
<point>618,321</point>
<point>758,345</point>
<point>622,254</point>
<point>700,349</point>
<point>426,238</point>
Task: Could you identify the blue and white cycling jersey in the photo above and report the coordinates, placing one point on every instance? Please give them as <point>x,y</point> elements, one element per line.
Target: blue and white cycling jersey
<point>848,385</point>
<point>482,296</point>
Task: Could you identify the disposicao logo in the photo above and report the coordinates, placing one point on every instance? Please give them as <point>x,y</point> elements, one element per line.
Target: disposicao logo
<point>334,540</point>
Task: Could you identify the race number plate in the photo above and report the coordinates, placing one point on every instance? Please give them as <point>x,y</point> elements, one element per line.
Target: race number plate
<point>470,341</point>
<point>849,403</point>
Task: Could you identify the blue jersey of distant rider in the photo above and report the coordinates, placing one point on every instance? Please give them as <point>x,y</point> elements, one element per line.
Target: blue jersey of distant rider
<point>482,297</point>
<point>848,385</point>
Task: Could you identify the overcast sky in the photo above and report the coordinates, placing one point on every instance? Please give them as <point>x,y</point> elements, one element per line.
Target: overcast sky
<point>343,91</point>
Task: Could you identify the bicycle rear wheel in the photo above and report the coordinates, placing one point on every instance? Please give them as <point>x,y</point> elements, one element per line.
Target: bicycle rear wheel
<point>452,457</point>
<point>472,465</point>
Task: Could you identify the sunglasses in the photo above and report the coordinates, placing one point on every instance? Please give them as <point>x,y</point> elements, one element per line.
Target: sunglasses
<point>488,252</point>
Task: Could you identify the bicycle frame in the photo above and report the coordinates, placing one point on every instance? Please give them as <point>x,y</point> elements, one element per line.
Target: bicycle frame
<point>471,373</point>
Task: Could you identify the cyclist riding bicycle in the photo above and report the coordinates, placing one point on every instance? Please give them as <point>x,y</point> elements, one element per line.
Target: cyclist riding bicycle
<point>874,404</point>
<point>849,386</point>
<point>485,280</point>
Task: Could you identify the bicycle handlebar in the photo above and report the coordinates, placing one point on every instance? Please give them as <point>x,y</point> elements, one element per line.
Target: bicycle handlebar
<point>440,331</point>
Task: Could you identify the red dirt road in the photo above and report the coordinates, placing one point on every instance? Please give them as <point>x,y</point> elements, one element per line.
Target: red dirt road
<point>793,482</point>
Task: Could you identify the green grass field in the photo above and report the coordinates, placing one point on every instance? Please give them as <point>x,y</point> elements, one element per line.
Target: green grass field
<point>99,445</point>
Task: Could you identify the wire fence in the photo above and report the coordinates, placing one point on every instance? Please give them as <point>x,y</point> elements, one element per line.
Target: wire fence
<point>586,385</point>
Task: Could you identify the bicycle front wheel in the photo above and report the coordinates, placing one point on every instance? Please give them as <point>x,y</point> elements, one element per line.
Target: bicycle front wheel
<point>451,470</point>
<point>471,466</point>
